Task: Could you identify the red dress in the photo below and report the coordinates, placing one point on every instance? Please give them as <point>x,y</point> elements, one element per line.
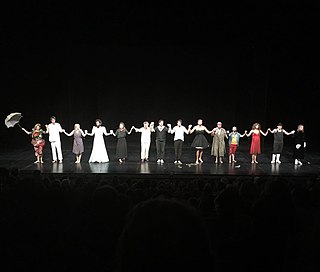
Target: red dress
<point>255,143</point>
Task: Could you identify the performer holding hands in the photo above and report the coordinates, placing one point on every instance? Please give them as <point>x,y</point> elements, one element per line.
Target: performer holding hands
<point>234,140</point>
<point>78,146</point>
<point>255,148</point>
<point>145,139</point>
<point>278,142</point>
<point>54,129</point>
<point>218,149</point>
<point>37,141</point>
<point>99,151</point>
<point>161,136</point>
<point>179,130</point>
<point>199,142</point>
<point>121,147</point>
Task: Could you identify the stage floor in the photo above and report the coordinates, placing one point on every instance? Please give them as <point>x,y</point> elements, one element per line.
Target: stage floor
<point>23,159</point>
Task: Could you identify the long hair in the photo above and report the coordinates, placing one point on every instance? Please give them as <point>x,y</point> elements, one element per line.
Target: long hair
<point>256,124</point>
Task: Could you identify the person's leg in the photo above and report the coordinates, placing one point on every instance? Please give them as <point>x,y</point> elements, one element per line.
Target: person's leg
<point>162,149</point>
<point>180,150</point>
<point>197,155</point>
<point>273,160</point>
<point>143,151</point>
<point>278,158</point>
<point>200,155</point>
<point>176,144</point>
<point>147,148</point>
<point>158,149</point>
<point>53,151</point>
<point>59,151</point>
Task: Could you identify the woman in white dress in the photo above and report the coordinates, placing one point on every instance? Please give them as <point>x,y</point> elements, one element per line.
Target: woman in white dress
<point>99,151</point>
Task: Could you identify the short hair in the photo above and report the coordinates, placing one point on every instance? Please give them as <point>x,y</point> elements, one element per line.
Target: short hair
<point>279,124</point>
<point>53,117</point>
<point>99,120</point>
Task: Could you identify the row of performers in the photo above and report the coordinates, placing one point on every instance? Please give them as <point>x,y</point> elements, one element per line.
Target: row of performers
<point>99,152</point>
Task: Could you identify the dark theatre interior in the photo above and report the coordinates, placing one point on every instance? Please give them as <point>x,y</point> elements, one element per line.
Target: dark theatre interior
<point>135,61</point>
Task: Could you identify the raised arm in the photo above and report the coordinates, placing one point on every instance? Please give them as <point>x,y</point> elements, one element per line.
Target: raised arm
<point>132,128</point>
<point>26,131</point>
<point>244,134</point>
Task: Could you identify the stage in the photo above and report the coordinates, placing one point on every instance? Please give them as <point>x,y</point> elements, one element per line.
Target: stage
<point>23,160</point>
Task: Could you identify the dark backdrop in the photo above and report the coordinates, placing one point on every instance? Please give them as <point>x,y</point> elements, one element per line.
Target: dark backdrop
<point>237,63</point>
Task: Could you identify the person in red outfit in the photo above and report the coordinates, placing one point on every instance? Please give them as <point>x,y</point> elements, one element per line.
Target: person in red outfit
<point>255,133</point>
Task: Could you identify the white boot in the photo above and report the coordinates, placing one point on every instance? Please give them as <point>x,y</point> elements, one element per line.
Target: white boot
<point>296,162</point>
<point>278,158</point>
<point>273,158</point>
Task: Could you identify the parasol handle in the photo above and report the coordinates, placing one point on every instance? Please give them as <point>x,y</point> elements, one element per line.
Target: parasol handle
<point>19,125</point>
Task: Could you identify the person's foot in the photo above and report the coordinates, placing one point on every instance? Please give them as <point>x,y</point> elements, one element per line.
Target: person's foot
<point>255,162</point>
<point>272,161</point>
<point>278,161</point>
<point>36,161</point>
<point>146,159</point>
<point>252,161</point>
<point>41,161</point>
<point>200,160</point>
<point>175,162</point>
<point>221,161</point>
<point>158,161</point>
<point>234,161</point>
<point>197,162</point>
<point>229,161</point>
<point>216,161</point>
<point>60,161</point>
<point>179,162</point>
<point>142,160</point>
<point>120,160</point>
<point>54,161</point>
<point>161,161</point>
<point>299,162</point>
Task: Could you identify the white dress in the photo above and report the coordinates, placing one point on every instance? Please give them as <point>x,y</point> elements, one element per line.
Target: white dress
<point>99,151</point>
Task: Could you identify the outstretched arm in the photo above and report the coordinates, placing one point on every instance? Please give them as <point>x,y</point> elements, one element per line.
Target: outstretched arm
<point>288,133</point>
<point>69,134</point>
<point>271,130</point>
<point>26,131</point>
<point>249,134</point>
<point>264,133</point>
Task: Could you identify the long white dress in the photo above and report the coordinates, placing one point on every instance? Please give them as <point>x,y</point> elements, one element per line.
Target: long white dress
<point>99,151</point>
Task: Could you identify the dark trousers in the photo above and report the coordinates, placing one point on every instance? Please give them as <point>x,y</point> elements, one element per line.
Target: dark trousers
<point>178,149</point>
<point>160,146</point>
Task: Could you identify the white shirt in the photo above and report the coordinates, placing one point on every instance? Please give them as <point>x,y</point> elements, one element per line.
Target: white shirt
<point>54,132</point>
<point>179,132</point>
<point>145,134</point>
